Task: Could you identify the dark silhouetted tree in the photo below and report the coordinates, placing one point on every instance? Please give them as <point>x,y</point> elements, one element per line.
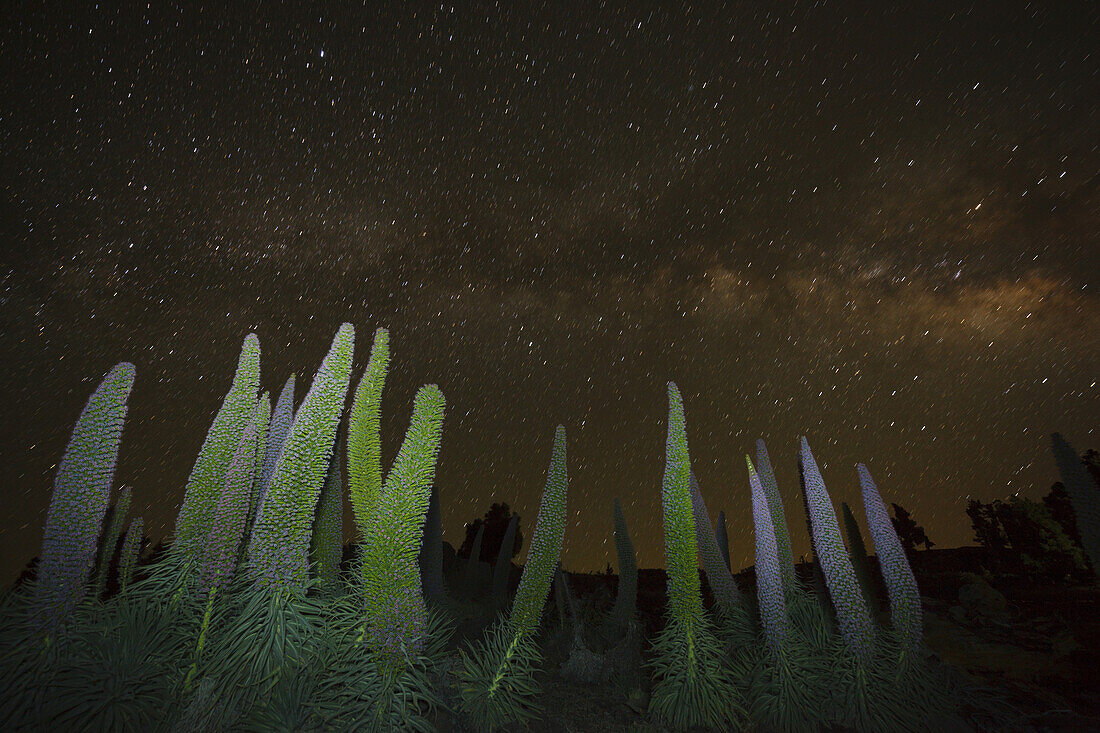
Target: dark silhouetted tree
<point>909,532</point>
<point>496,524</point>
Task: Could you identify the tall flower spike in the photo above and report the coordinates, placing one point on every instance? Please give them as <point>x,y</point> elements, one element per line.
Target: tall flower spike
<point>205,483</point>
<point>680,543</point>
<point>769,583</point>
<point>278,551</point>
<point>227,526</point>
<point>81,490</point>
<point>626,598</point>
<point>722,584</point>
<point>545,549</point>
<point>364,443</point>
<point>851,610</point>
<point>1084,494</point>
<point>263,425</point>
<point>722,535</point>
<point>779,519</point>
<point>282,418</point>
<point>901,585</point>
<point>396,610</point>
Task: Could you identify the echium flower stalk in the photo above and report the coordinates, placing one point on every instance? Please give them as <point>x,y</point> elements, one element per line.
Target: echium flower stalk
<point>278,551</point>
<point>278,428</point>
<point>223,541</point>
<point>474,560</point>
<point>681,549</point>
<point>769,583</point>
<point>545,549</point>
<point>396,613</point>
<point>131,550</point>
<point>851,610</point>
<point>722,584</point>
<point>364,441</point>
<point>626,598</point>
<point>205,483</point>
<point>110,541</point>
<point>901,585</point>
<point>81,490</point>
<point>722,535</point>
<point>779,519</point>
<point>1084,494</point>
<point>263,424</point>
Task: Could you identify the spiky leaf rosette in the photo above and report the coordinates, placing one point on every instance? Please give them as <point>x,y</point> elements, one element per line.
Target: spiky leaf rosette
<point>131,550</point>
<point>722,584</point>
<point>110,541</point>
<point>721,534</point>
<point>391,579</point>
<point>497,687</point>
<point>694,684</point>
<point>779,520</point>
<point>851,610</point>
<point>364,442</point>
<point>279,548</point>
<point>504,559</point>
<point>282,418</point>
<point>901,585</point>
<point>81,491</point>
<point>626,597</point>
<point>227,527</point>
<point>496,682</point>
<point>1084,494</point>
<point>431,549</point>
<point>263,426</point>
<point>860,562</point>
<point>326,541</point>
<point>204,485</point>
<point>545,549</point>
<point>769,582</point>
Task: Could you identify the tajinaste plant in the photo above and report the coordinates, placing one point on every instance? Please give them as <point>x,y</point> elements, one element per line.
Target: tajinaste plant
<point>278,552</point>
<point>263,427</point>
<point>779,520</point>
<point>364,442</point>
<point>278,428</point>
<point>722,584</point>
<point>769,582</point>
<point>497,685</point>
<point>901,585</point>
<point>205,483</point>
<point>81,491</point>
<point>860,562</point>
<point>227,528</point>
<point>431,549</point>
<point>626,597</point>
<point>396,613</point>
<point>693,682</point>
<point>722,535</point>
<point>851,610</point>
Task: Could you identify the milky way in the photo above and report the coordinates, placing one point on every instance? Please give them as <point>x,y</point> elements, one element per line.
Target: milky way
<point>876,230</point>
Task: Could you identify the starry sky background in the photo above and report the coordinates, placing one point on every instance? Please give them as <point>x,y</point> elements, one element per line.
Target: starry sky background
<point>875,229</point>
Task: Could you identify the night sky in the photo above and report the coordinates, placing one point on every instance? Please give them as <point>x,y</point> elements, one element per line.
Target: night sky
<point>879,230</point>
